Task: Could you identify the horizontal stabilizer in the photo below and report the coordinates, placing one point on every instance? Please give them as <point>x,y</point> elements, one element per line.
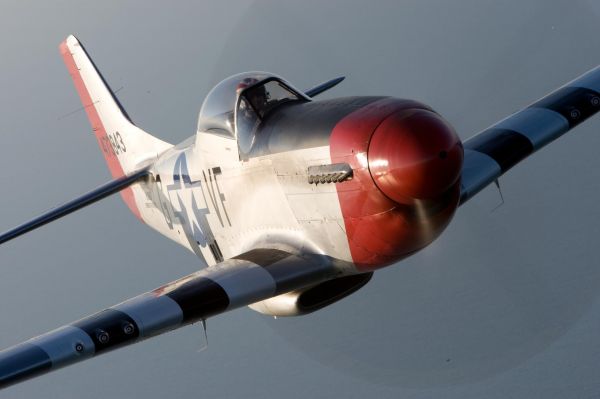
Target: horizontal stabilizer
<point>101,192</point>
<point>324,87</point>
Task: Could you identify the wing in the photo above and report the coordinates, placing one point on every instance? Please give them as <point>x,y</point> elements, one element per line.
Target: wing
<point>243,280</point>
<point>89,198</point>
<point>491,153</point>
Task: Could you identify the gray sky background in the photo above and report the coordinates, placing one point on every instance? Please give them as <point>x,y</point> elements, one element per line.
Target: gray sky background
<point>504,304</point>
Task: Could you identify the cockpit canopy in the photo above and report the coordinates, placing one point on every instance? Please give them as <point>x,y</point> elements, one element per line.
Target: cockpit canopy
<point>236,106</point>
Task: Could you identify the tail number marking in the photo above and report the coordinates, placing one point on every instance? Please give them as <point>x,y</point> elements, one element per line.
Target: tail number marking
<point>113,144</point>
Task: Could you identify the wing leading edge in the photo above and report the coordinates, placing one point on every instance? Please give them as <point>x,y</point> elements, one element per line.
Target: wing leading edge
<point>492,152</point>
<point>248,278</point>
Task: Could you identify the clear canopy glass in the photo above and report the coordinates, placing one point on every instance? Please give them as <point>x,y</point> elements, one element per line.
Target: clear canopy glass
<point>236,106</point>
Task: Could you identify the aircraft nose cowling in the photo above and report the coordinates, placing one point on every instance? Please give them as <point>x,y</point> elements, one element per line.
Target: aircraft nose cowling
<point>413,155</point>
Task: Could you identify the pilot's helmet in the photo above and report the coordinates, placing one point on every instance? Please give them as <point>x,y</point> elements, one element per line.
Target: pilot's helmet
<point>245,83</point>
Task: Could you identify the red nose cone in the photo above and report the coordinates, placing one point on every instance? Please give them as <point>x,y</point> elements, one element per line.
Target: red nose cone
<point>414,155</point>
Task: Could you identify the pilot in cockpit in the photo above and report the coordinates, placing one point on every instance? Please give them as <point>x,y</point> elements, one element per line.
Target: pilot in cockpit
<point>252,100</point>
<point>257,96</point>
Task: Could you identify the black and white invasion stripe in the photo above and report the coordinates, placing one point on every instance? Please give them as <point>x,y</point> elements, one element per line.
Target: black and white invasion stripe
<point>251,277</point>
<point>495,150</point>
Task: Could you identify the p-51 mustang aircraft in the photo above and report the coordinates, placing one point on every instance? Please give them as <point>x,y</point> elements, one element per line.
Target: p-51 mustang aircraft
<point>290,202</point>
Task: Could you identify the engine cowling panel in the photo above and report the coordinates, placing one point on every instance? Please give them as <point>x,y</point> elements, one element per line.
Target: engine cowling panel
<point>406,163</point>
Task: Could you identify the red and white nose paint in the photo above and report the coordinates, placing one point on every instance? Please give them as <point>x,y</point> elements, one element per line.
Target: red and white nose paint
<point>414,155</point>
<point>407,162</point>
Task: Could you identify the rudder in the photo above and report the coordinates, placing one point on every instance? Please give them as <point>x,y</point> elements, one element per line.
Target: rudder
<point>124,145</point>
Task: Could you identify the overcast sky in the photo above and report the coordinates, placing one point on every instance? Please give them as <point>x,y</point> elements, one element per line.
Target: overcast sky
<point>504,304</point>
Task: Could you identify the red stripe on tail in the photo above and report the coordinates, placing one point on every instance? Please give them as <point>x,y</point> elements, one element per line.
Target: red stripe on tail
<point>103,142</point>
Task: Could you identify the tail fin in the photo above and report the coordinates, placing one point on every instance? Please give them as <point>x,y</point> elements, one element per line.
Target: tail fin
<point>123,144</point>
